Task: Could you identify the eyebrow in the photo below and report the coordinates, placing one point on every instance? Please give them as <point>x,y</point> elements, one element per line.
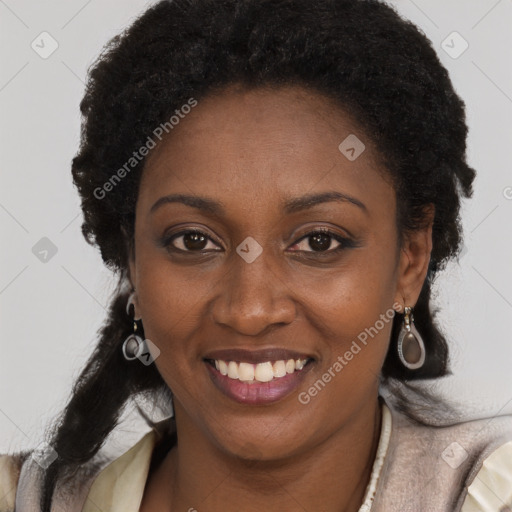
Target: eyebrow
<point>293,205</point>
<point>310,200</point>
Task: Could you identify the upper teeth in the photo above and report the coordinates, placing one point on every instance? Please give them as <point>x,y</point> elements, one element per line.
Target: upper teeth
<point>261,372</point>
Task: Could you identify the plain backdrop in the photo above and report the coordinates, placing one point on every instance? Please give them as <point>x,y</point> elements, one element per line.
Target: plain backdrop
<point>50,310</point>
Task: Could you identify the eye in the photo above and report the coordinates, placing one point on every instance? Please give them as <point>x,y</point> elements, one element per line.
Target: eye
<point>191,241</point>
<point>322,241</point>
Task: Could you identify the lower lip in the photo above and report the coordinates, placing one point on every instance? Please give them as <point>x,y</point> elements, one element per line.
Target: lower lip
<point>257,393</point>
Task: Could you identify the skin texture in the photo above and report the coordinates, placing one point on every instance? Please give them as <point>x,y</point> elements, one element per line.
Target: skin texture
<point>252,150</point>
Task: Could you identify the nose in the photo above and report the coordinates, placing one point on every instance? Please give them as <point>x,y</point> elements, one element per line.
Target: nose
<point>253,298</point>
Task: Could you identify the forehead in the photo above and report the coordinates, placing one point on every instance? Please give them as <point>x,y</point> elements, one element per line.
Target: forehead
<point>266,143</point>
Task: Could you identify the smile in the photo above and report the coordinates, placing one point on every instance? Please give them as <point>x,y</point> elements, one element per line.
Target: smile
<point>261,372</point>
<point>257,378</point>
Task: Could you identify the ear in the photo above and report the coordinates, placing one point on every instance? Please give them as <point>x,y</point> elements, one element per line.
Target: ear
<point>132,279</point>
<point>131,272</point>
<point>414,260</point>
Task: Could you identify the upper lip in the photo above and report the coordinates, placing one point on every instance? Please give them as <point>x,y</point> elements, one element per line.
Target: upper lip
<point>256,356</point>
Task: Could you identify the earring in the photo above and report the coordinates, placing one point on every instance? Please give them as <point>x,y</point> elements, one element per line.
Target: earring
<point>133,344</point>
<point>411,349</point>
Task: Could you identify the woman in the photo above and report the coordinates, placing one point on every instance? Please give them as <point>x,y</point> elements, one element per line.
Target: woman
<point>276,183</point>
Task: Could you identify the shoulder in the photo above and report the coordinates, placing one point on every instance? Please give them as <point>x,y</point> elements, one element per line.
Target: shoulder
<point>108,475</point>
<point>455,464</point>
<point>10,469</point>
<point>107,478</point>
<point>491,489</point>
<point>464,444</point>
<point>437,427</point>
<point>477,454</point>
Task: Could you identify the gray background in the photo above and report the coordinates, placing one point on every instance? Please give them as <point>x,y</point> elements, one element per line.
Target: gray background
<point>50,310</point>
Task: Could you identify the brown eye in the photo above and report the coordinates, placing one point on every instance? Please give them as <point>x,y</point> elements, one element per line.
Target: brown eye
<point>320,241</point>
<point>191,241</point>
<point>194,241</point>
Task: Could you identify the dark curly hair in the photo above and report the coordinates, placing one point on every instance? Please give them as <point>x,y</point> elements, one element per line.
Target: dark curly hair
<point>380,68</point>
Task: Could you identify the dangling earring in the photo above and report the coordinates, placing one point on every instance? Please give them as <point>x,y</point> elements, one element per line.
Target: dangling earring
<point>411,349</point>
<point>133,344</point>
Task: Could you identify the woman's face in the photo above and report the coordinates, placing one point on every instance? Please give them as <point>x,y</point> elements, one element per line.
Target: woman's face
<point>259,173</point>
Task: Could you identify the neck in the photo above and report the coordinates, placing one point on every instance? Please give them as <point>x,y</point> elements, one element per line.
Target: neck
<point>332,477</point>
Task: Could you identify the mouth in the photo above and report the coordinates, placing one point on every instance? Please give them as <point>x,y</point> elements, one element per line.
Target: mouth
<point>257,377</point>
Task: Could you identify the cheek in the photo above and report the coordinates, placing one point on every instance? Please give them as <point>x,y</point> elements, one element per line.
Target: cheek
<point>353,309</point>
<point>354,295</point>
<point>169,306</point>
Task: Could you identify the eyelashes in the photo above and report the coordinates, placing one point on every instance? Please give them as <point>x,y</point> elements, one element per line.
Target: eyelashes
<point>196,242</point>
<point>195,237</point>
<point>319,237</point>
